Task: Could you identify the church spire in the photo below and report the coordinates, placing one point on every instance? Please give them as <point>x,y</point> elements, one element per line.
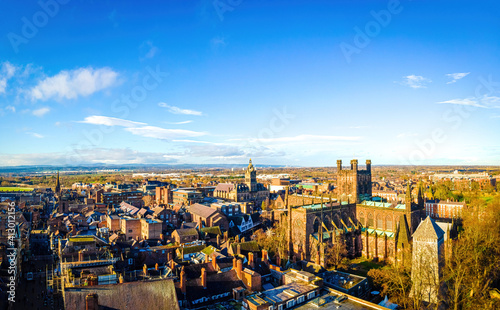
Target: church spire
<point>58,185</point>
<point>408,196</point>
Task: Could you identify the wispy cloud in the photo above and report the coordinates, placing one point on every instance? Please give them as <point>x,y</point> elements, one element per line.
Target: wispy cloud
<point>456,76</point>
<point>41,112</point>
<point>110,121</point>
<point>7,71</point>
<point>177,110</point>
<point>163,133</point>
<point>11,108</point>
<point>148,50</point>
<point>483,102</point>
<point>36,135</point>
<point>302,138</point>
<point>178,123</point>
<point>415,81</point>
<point>74,83</point>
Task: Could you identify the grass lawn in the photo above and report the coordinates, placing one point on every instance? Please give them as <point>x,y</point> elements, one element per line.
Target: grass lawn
<point>15,189</point>
<point>362,266</point>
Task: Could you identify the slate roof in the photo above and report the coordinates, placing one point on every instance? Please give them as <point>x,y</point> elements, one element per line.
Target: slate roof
<point>218,283</point>
<point>428,229</point>
<point>129,295</point>
<point>201,210</point>
<point>186,232</point>
<point>224,187</point>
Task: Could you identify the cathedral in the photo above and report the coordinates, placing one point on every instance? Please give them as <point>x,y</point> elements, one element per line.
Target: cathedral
<point>248,192</point>
<point>371,229</point>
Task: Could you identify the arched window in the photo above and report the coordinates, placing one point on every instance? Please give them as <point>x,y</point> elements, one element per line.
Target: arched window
<point>316,225</point>
<point>370,220</point>
<point>362,218</point>
<point>388,223</point>
<point>380,222</point>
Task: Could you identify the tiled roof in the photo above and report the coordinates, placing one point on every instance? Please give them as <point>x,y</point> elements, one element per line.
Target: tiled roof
<point>186,232</point>
<point>158,294</point>
<point>224,187</point>
<point>201,210</point>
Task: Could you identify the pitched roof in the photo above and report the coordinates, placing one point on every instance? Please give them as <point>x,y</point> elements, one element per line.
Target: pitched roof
<point>428,229</point>
<point>403,232</point>
<point>201,210</point>
<point>186,232</point>
<point>159,293</point>
<point>224,187</point>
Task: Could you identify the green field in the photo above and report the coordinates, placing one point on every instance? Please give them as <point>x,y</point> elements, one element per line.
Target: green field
<point>15,189</point>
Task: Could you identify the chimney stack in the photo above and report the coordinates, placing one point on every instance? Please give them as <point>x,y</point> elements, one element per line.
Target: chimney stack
<point>339,165</point>
<point>265,258</point>
<point>238,249</point>
<point>214,261</point>
<point>92,302</point>
<point>80,255</point>
<point>203,278</point>
<point>239,268</point>
<point>218,241</point>
<point>234,263</point>
<point>369,165</point>
<point>250,260</point>
<point>183,280</point>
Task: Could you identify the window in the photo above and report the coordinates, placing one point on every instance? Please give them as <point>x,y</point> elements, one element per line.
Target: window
<point>388,223</point>
<point>362,218</point>
<point>311,295</point>
<point>380,222</point>
<point>290,303</point>
<point>280,307</point>
<point>370,220</point>
<point>300,299</point>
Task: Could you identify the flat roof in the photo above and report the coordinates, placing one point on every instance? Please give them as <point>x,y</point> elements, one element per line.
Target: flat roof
<point>326,302</point>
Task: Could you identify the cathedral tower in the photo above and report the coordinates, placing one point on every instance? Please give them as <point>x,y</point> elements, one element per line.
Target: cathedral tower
<point>251,177</point>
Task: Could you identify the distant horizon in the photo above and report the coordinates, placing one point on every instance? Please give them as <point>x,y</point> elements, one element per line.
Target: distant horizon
<point>282,82</point>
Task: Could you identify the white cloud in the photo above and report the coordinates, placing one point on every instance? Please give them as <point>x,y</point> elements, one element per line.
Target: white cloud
<point>415,81</point>
<point>6,73</point>
<point>176,110</point>
<point>74,83</point>
<point>36,135</point>
<point>41,112</point>
<point>87,156</point>
<point>162,133</point>
<point>110,121</point>
<point>178,123</point>
<point>3,85</point>
<point>456,76</point>
<point>11,108</point>
<point>483,102</point>
<point>491,101</point>
<point>303,138</point>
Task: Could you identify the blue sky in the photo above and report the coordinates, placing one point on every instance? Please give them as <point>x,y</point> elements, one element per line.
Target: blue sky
<point>283,82</point>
